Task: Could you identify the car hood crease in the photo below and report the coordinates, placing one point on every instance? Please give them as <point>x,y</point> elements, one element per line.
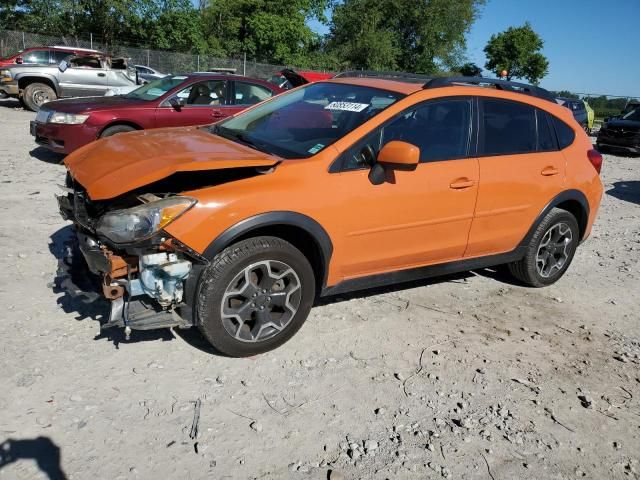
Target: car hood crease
<point>116,165</point>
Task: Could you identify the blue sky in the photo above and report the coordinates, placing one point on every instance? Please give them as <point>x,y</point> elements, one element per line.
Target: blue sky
<point>593,46</point>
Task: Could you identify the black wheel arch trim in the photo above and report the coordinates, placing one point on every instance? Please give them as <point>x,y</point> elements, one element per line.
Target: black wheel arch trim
<point>567,195</point>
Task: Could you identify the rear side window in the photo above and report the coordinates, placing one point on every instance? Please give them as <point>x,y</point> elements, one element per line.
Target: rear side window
<point>564,132</point>
<point>36,56</point>
<point>546,136</point>
<point>507,128</point>
<point>250,93</point>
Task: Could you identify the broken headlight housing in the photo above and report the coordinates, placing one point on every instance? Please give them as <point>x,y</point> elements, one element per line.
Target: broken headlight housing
<point>67,118</point>
<point>142,222</point>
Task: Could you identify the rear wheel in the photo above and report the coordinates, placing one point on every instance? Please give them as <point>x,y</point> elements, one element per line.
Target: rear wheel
<point>37,94</point>
<point>254,296</point>
<point>116,129</point>
<point>550,250</point>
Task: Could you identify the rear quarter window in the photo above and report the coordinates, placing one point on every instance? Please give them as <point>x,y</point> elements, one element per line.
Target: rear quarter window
<point>565,134</point>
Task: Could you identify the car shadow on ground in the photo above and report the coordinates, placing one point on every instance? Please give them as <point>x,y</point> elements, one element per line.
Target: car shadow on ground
<point>627,191</point>
<point>81,292</point>
<point>10,103</point>
<point>44,155</point>
<point>42,450</point>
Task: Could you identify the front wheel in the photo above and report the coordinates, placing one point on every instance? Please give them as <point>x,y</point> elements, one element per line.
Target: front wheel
<point>37,94</point>
<point>254,296</point>
<point>550,250</point>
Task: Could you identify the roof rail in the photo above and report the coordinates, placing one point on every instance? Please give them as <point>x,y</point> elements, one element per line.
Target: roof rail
<point>401,76</point>
<point>499,84</point>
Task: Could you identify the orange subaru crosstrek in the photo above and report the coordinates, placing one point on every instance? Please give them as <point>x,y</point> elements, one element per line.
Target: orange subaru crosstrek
<point>238,227</point>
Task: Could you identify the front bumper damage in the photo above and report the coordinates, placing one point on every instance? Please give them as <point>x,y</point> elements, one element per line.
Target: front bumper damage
<point>144,284</point>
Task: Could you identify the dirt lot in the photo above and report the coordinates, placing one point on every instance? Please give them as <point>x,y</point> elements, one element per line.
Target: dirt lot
<point>463,377</point>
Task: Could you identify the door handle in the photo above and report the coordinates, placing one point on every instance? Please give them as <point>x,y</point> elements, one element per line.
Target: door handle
<point>461,183</point>
<point>549,171</point>
<point>102,74</point>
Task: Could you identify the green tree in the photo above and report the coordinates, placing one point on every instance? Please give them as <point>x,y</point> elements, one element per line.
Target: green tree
<point>470,70</point>
<point>266,30</point>
<point>422,36</point>
<point>517,51</point>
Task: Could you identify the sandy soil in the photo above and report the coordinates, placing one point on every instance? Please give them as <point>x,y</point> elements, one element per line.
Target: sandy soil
<point>463,377</point>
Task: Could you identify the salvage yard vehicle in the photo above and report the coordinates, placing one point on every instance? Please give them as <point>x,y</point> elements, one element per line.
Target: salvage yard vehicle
<point>621,134</point>
<point>44,55</point>
<point>172,101</point>
<point>77,76</point>
<point>237,228</point>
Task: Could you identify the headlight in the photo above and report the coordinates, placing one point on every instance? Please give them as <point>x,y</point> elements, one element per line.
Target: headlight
<point>67,118</point>
<point>141,222</point>
<point>6,75</point>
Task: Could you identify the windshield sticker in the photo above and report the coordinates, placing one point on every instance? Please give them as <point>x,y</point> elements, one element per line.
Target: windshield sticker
<point>316,148</point>
<point>347,106</point>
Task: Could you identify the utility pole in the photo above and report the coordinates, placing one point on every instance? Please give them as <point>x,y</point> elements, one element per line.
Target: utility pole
<point>244,65</point>
<point>91,40</point>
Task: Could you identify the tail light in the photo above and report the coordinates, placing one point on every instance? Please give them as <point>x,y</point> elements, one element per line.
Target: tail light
<point>596,159</point>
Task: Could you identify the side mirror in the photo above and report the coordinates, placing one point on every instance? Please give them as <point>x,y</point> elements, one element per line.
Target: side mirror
<point>396,155</point>
<point>63,66</point>
<point>176,103</point>
<point>19,60</point>
<point>399,155</point>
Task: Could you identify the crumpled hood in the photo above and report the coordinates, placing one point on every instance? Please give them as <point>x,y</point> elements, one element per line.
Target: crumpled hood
<point>112,166</point>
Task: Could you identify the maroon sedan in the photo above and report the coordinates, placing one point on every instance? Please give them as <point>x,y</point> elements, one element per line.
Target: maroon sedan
<point>171,101</point>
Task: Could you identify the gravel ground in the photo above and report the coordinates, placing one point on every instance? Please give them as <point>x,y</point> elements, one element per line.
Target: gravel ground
<point>467,376</point>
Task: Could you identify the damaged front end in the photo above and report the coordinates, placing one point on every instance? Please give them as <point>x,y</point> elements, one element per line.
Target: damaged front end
<point>141,269</point>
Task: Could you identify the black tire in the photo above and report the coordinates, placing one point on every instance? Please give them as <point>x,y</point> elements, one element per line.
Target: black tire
<point>527,270</point>
<point>37,94</point>
<point>222,273</point>
<point>116,129</point>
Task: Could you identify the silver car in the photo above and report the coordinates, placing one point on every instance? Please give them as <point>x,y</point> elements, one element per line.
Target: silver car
<point>76,76</point>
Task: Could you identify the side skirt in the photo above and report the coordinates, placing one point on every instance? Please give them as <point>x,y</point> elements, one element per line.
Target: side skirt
<point>400,276</point>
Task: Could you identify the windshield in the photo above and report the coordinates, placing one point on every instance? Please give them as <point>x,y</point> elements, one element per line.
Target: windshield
<point>157,88</point>
<point>633,115</point>
<point>306,120</point>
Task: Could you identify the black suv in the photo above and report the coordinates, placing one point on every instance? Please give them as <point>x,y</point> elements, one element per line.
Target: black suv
<point>621,133</point>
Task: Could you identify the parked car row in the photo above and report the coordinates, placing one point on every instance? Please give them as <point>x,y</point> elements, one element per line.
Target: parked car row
<point>172,101</point>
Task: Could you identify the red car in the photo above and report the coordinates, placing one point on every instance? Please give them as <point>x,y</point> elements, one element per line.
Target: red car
<point>172,101</point>
<point>289,79</point>
<point>43,55</point>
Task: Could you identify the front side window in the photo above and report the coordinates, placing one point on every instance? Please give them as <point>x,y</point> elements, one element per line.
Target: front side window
<point>304,121</point>
<point>441,129</point>
<point>201,94</point>
<point>507,128</point>
<point>251,93</point>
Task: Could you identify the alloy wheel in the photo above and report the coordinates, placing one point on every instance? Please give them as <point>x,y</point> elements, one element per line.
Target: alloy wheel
<point>260,301</point>
<point>554,249</point>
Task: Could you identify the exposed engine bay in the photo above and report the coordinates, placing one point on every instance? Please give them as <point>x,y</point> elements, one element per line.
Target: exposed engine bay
<point>144,279</point>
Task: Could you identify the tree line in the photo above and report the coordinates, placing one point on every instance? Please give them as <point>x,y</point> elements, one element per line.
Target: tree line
<point>420,36</point>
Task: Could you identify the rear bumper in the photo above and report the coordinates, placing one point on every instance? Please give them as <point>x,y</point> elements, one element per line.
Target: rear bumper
<point>63,138</point>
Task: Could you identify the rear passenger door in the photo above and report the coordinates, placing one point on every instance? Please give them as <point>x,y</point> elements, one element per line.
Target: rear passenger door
<point>521,170</point>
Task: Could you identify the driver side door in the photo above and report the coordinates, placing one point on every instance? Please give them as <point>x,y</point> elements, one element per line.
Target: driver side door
<point>416,217</point>
<point>203,103</point>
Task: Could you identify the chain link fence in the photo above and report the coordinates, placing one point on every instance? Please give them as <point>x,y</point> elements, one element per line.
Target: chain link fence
<point>12,41</point>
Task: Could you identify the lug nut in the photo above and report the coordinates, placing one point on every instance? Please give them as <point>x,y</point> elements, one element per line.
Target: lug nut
<point>253,304</point>
<point>262,308</point>
<point>268,299</point>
